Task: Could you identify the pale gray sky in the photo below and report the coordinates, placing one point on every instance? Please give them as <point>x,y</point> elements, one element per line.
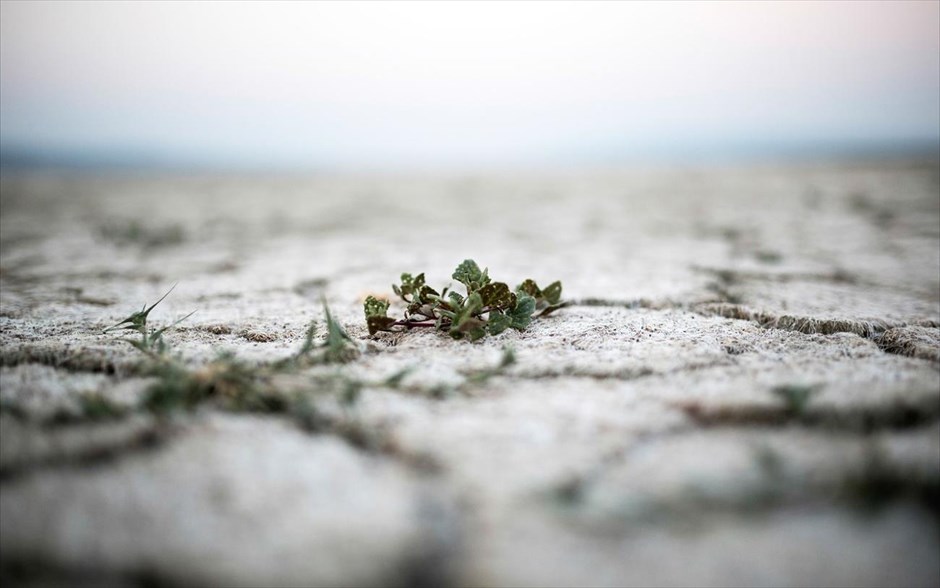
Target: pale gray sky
<point>465,84</point>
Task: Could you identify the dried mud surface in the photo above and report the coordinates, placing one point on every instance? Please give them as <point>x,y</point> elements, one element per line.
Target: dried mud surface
<point>744,391</point>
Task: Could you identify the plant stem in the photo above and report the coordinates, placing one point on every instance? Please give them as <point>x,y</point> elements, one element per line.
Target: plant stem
<point>410,324</point>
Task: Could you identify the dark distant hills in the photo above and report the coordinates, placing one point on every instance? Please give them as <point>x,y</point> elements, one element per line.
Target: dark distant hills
<point>18,157</point>
<point>21,157</point>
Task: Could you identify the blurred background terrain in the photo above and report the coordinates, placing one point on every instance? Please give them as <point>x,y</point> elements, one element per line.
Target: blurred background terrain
<point>322,86</point>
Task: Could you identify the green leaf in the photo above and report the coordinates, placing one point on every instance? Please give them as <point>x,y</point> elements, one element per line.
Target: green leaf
<point>395,380</point>
<point>468,273</point>
<point>409,284</point>
<point>469,326</point>
<point>552,308</point>
<point>336,335</point>
<point>530,287</point>
<point>496,295</point>
<point>463,320</point>
<point>158,334</point>
<point>424,301</point>
<point>472,305</point>
<point>498,323</point>
<point>477,333</point>
<point>552,293</point>
<point>456,299</point>
<point>138,320</point>
<point>795,396</point>
<point>521,315</point>
<point>379,323</point>
<point>308,345</point>
<point>375,307</point>
<point>508,358</point>
<point>427,294</point>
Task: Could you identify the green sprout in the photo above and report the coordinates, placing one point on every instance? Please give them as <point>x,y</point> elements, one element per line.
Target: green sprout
<point>151,340</point>
<point>796,397</point>
<point>487,308</point>
<point>338,347</point>
<point>483,375</point>
<point>232,383</point>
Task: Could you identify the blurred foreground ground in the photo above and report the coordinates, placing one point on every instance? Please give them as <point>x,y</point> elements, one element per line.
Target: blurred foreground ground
<point>638,439</point>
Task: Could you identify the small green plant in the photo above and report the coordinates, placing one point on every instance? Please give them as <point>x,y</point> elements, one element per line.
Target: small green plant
<point>148,237</point>
<point>796,397</point>
<point>483,375</point>
<point>97,407</point>
<point>151,340</point>
<point>338,347</point>
<point>488,308</point>
<point>226,380</point>
<point>768,256</point>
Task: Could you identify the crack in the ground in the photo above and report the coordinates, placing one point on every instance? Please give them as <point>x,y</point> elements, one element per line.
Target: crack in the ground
<point>432,565</point>
<point>920,341</point>
<point>41,571</point>
<point>144,438</point>
<point>891,336</point>
<point>83,359</point>
<point>874,329</point>
<point>899,415</point>
<point>375,440</point>
<point>875,484</point>
<point>630,304</point>
<point>733,276</point>
<point>620,374</point>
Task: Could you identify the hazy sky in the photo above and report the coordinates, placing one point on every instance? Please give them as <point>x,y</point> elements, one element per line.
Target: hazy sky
<point>421,84</point>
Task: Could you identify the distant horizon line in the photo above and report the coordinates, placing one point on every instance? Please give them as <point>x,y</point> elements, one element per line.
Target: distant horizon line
<point>19,156</point>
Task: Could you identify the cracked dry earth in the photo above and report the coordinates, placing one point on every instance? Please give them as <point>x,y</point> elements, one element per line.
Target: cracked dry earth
<point>643,436</point>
